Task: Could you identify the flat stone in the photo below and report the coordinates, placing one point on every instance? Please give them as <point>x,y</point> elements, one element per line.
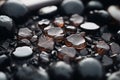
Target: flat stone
<point>45,43</point>
<point>68,51</point>
<point>107,36</point>
<point>115,48</point>
<point>22,52</point>
<point>59,22</point>
<point>24,33</point>
<point>55,32</point>
<point>76,19</point>
<point>89,26</point>
<point>47,10</point>
<point>76,40</point>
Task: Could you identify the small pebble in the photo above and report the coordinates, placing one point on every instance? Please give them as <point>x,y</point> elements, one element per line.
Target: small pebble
<point>89,26</point>
<point>24,33</point>
<point>22,52</point>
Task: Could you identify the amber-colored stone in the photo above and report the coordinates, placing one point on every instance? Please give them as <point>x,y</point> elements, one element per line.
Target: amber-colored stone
<point>102,47</point>
<point>57,33</point>
<point>76,40</point>
<point>45,43</point>
<point>59,22</point>
<point>68,52</point>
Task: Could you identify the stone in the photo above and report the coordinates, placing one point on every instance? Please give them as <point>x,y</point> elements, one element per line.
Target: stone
<point>24,33</point>
<point>23,52</point>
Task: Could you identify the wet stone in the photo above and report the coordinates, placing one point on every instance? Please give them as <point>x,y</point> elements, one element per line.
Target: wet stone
<point>71,29</point>
<point>60,71</point>
<point>6,27</point>
<point>90,26</point>
<point>23,52</point>
<point>34,38</point>
<point>43,23</point>
<point>76,40</point>
<point>114,76</point>
<point>83,52</point>
<point>44,57</point>
<point>66,51</point>
<point>114,12</point>
<point>76,19</point>
<point>102,47</point>
<point>94,5</point>
<point>27,73</point>
<point>3,76</point>
<point>115,48</point>
<point>24,33</point>
<point>24,42</point>
<point>45,43</point>
<point>106,36</point>
<point>59,21</point>
<point>48,10</point>
<point>89,68</point>
<point>100,17</point>
<point>106,61</point>
<point>6,22</point>
<point>55,32</point>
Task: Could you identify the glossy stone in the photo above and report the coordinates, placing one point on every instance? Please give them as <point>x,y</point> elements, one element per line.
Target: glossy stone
<point>90,26</point>
<point>45,43</point>
<point>100,17</point>
<point>102,47</point>
<point>60,70</point>
<point>23,52</point>
<point>66,51</point>
<point>44,57</point>
<point>94,5</point>
<point>48,10</point>
<point>76,40</point>
<point>76,8</point>
<point>24,33</point>
<point>43,23</point>
<point>90,69</point>
<point>6,26</point>
<point>3,76</point>
<point>70,29</point>
<point>29,73</point>
<point>59,22</point>
<point>114,11</point>
<point>24,42</point>
<point>114,76</point>
<point>76,19</point>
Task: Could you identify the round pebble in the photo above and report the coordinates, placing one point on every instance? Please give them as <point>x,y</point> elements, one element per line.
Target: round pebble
<point>77,7</point>
<point>60,71</point>
<point>90,68</point>
<point>23,51</point>
<point>114,11</point>
<point>3,76</point>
